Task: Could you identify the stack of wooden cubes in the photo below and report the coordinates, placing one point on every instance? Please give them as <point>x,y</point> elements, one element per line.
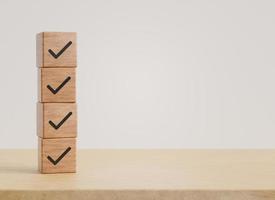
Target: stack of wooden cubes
<point>56,107</point>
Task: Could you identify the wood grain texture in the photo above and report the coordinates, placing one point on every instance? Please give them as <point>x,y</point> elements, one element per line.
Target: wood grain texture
<point>55,77</point>
<point>56,41</point>
<point>55,148</point>
<point>137,195</point>
<point>144,174</point>
<point>55,113</point>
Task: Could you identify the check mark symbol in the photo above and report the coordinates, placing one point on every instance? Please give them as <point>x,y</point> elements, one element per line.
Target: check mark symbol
<point>54,91</point>
<point>60,123</point>
<point>61,51</point>
<point>60,157</point>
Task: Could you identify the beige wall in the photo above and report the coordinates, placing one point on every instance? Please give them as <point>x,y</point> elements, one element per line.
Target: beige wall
<point>152,74</point>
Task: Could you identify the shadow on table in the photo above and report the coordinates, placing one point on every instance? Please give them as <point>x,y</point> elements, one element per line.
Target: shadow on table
<point>18,170</point>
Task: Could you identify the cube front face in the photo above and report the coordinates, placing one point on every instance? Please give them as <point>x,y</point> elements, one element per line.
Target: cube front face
<point>56,49</point>
<point>57,155</point>
<point>57,85</point>
<point>57,120</point>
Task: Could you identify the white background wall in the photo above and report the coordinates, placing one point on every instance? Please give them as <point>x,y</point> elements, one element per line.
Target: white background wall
<point>151,74</point>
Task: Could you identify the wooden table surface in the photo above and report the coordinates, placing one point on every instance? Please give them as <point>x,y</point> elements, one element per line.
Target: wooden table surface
<point>143,174</point>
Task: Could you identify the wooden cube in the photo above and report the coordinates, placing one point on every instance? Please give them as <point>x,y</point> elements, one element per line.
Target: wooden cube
<point>56,85</point>
<point>57,155</point>
<point>56,120</point>
<point>56,49</point>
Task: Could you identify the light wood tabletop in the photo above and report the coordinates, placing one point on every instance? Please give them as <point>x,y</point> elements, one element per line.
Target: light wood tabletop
<point>143,174</point>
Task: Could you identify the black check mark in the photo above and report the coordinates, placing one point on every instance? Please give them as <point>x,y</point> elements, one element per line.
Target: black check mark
<point>60,157</point>
<point>61,51</point>
<point>60,123</point>
<point>54,91</point>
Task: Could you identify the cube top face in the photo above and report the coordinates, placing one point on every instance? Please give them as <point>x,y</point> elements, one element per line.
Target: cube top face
<point>57,155</point>
<point>56,49</point>
<point>57,120</point>
<point>57,85</point>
